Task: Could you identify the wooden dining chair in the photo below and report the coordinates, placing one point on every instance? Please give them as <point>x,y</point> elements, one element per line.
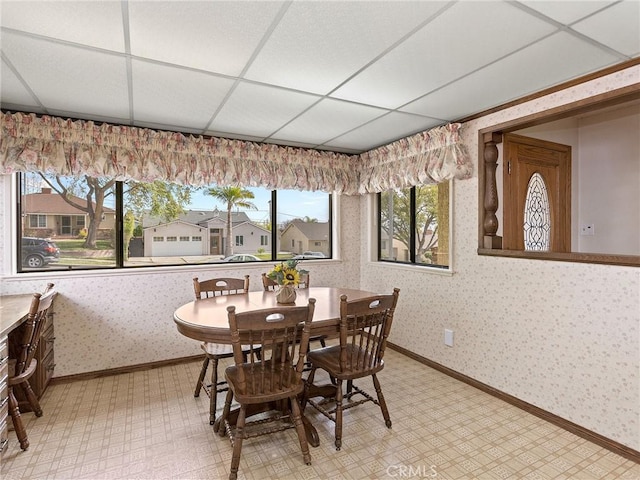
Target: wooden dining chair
<point>364,327</point>
<point>22,361</point>
<point>214,352</point>
<point>275,377</point>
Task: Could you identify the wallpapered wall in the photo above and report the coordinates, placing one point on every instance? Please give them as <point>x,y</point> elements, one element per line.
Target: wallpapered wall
<point>108,320</point>
<point>561,336</point>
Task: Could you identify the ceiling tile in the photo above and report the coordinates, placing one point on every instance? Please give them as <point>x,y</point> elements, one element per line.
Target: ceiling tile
<point>566,12</point>
<point>70,79</point>
<point>259,110</point>
<point>384,130</point>
<point>317,45</point>
<point>617,27</point>
<point>11,87</point>
<point>97,24</point>
<point>454,44</point>
<point>175,96</point>
<point>214,36</point>
<point>326,120</point>
<point>562,54</point>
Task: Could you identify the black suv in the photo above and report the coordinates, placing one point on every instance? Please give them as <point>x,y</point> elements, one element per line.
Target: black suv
<point>37,252</point>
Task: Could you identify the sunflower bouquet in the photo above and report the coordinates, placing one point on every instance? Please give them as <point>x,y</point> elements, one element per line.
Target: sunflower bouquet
<point>287,273</point>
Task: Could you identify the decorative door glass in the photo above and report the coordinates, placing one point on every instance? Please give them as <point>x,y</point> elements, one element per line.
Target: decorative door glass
<point>537,215</point>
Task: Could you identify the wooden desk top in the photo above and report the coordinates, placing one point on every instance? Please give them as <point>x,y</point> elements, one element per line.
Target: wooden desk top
<point>13,310</point>
<point>207,319</point>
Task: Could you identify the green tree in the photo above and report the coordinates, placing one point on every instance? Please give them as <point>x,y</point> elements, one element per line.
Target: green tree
<point>93,190</point>
<point>158,198</point>
<point>396,211</point>
<point>232,196</point>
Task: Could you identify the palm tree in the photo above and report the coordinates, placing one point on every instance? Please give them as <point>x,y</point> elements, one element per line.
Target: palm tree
<point>233,197</point>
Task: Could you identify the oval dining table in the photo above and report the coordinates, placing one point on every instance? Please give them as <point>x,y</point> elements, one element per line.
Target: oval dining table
<point>206,320</point>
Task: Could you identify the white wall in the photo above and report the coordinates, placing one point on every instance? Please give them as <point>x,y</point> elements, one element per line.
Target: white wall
<point>562,336</point>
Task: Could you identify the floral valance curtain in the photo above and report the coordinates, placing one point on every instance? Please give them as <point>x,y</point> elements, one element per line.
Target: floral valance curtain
<point>67,147</point>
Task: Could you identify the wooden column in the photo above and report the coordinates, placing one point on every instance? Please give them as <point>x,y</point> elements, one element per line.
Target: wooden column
<point>490,223</point>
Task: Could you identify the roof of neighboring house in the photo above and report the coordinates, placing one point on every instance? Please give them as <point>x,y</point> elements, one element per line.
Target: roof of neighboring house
<point>254,225</point>
<point>54,204</point>
<point>311,230</point>
<point>166,224</point>
<point>199,217</point>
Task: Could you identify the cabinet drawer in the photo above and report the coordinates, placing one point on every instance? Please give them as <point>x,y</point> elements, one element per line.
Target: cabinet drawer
<point>46,340</point>
<point>48,365</point>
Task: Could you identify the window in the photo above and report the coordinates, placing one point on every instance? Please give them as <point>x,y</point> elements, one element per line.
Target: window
<point>38,221</point>
<point>131,223</point>
<point>414,225</point>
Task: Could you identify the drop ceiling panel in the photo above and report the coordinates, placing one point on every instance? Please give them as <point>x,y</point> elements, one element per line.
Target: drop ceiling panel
<point>173,96</point>
<point>319,45</point>
<point>616,27</point>
<point>97,24</point>
<point>12,87</point>
<point>453,45</point>
<point>326,120</point>
<point>214,36</point>
<point>384,130</point>
<point>259,110</point>
<point>567,12</point>
<point>67,78</point>
<point>514,77</point>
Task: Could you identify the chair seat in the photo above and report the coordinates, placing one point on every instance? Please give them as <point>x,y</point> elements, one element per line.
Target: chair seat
<point>328,359</point>
<point>279,383</point>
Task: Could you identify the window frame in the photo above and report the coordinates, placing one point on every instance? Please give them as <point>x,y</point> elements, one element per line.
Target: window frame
<point>17,183</point>
<point>412,264</point>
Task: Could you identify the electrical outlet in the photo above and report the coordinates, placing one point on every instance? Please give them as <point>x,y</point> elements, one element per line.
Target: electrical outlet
<point>588,229</point>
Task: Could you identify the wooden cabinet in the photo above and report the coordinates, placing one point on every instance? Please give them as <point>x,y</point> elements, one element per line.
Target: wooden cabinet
<point>44,371</point>
<point>4,394</point>
<point>44,356</point>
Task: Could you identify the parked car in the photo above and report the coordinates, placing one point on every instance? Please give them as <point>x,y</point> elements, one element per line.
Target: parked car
<point>38,252</point>
<point>241,257</point>
<point>309,256</point>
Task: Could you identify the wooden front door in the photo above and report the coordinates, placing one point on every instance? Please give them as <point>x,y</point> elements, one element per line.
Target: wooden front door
<point>537,194</point>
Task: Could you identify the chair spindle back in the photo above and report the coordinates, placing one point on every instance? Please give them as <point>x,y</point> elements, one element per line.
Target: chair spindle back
<point>220,286</point>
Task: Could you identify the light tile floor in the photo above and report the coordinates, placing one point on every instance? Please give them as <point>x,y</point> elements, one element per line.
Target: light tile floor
<point>148,425</point>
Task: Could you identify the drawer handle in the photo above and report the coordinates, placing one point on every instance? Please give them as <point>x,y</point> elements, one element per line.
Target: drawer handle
<point>50,340</point>
<point>4,402</point>
<point>51,367</point>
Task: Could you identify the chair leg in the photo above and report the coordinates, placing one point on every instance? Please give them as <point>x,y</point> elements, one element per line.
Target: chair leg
<point>225,413</point>
<point>381,401</point>
<point>203,372</point>
<point>302,434</point>
<point>322,342</point>
<point>338,414</point>
<point>237,443</point>
<point>213,395</point>
<point>31,398</point>
<point>307,388</point>
<point>18,426</point>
